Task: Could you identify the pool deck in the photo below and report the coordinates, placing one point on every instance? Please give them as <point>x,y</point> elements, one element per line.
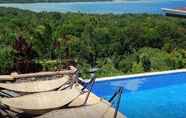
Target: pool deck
<point>141,75</point>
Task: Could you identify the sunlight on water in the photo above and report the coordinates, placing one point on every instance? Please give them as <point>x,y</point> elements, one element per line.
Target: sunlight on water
<point>134,85</point>
<point>131,85</point>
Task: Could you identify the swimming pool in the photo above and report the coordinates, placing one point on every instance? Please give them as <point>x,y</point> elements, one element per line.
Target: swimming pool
<point>119,7</point>
<point>159,96</point>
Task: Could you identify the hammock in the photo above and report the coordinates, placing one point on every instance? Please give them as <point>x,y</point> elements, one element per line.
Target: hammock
<point>41,102</point>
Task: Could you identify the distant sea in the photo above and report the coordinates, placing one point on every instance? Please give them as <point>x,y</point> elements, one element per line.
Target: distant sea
<point>115,7</point>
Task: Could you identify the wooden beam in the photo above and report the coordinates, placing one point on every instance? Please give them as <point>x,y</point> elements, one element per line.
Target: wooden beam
<point>6,77</point>
<point>39,74</point>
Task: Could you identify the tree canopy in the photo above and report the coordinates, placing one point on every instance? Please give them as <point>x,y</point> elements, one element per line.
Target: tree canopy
<point>118,44</point>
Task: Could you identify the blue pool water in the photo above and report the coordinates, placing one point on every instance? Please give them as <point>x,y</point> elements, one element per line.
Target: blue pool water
<point>117,7</point>
<point>162,96</point>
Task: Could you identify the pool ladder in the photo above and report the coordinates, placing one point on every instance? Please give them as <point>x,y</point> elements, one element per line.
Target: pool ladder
<point>116,97</point>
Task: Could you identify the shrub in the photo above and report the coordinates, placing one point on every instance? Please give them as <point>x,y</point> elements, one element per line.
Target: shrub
<point>6,59</point>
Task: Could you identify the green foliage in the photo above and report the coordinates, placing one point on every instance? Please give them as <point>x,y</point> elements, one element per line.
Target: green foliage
<point>153,59</point>
<point>107,68</point>
<point>156,59</point>
<point>137,68</point>
<point>6,59</point>
<point>117,43</point>
<point>48,65</point>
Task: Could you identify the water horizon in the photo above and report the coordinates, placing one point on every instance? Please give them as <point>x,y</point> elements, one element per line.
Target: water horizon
<point>101,7</point>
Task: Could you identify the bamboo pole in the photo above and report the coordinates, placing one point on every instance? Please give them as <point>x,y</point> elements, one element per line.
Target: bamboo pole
<point>39,74</point>
<point>6,77</point>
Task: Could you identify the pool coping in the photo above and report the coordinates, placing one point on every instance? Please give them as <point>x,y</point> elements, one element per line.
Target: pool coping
<point>130,76</point>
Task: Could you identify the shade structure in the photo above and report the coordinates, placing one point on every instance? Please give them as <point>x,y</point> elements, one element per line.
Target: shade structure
<point>41,102</point>
<point>35,86</point>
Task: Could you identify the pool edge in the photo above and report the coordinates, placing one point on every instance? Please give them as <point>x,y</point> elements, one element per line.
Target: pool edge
<point>141,75</point>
